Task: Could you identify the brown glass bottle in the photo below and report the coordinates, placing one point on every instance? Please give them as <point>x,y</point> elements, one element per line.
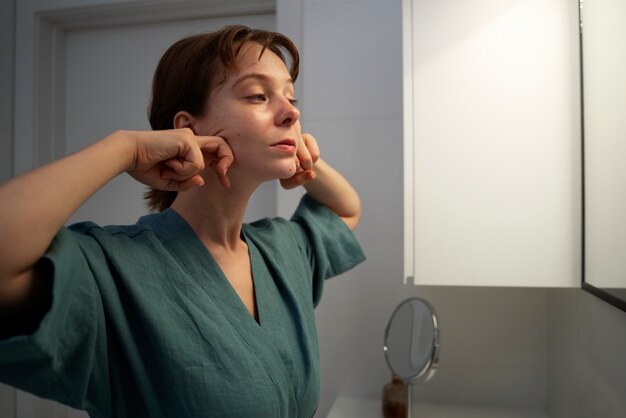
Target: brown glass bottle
<point>394,399</point>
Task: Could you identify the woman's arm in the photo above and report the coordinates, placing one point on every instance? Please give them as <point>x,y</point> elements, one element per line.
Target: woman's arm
<point>325,184</point>
<point>34,206</point>
<point>333,191</point>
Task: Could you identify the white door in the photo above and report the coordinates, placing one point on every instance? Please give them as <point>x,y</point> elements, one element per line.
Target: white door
<point>108,74</point>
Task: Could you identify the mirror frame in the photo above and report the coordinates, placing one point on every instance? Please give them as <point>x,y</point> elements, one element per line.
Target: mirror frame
<point>429,369</point>
<point>602,293</point>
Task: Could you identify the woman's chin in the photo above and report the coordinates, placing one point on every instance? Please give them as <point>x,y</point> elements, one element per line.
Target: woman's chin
<point>287,171</point>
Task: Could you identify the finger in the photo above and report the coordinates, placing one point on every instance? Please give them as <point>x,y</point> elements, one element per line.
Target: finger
<point>190,155</point>
<point>218,149</point>
<point>176,179</point>
<point>195,181</point>
<point>304,156</point>
<point>187,165</point>
<point>168,173</point>
<point>222,178</point>
<point>222,153</point>
<point>225,159</point>
<point>224,181</point>
<point>176,185</point>
<point>311,144</point>
<point>298,179</point>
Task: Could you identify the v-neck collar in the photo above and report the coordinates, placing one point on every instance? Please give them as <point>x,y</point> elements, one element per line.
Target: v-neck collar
<point>179,237</point>
<point>266,339</point>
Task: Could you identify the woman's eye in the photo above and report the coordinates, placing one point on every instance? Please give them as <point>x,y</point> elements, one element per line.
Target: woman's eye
<point>294,102</point>
<point>257,97</point>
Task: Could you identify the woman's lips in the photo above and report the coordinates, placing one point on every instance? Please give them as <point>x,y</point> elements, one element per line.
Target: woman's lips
<point>286,145</point>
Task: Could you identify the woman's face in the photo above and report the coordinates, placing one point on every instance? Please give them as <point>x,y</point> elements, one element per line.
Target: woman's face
<point>254,111</point>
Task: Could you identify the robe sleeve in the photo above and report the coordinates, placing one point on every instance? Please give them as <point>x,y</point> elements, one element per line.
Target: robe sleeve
<point>64,357</point>
<point>328,244</point>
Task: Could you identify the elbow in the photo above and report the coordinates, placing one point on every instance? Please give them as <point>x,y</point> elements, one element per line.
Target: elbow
<point>354,218</point>
<point>352,221</point>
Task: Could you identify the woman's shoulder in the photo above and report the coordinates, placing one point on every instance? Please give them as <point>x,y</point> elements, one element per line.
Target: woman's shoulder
<point>92,229</point>
<point>268,227</point>
<point>93,237</point>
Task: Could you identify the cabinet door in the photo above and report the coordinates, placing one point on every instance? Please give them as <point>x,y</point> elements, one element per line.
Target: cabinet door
<point>492,143</point>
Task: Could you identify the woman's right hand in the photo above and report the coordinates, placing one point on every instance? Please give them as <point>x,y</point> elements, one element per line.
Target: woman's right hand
<point>172,160</point>
<point>36,204</point>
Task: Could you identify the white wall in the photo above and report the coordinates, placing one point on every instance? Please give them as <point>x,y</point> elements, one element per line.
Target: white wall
<point>586,356</point>
<point>605,130</point>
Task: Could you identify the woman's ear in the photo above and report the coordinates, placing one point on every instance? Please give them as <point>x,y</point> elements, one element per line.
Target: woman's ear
<point>184,119</point>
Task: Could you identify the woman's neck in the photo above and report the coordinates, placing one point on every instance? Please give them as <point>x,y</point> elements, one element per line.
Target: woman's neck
<point>215,213</point>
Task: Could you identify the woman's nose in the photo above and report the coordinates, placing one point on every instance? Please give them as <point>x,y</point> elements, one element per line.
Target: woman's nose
<point>288,114</point>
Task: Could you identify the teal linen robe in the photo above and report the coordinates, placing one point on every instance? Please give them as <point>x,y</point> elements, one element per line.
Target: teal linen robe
<point>144,323</point>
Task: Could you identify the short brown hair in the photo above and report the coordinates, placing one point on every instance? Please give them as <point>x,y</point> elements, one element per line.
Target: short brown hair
<point>192,67</point>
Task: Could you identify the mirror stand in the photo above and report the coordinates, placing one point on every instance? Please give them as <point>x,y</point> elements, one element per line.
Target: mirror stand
<point>409,396</point>
<point>412,344</point>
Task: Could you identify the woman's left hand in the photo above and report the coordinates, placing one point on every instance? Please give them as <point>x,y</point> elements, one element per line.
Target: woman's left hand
<point>306,156</point>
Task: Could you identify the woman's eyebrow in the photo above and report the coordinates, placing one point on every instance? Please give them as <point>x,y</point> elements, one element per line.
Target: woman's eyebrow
<point>259,76</point>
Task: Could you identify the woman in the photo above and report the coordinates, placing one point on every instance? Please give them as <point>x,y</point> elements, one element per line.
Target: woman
<point>189,312</point>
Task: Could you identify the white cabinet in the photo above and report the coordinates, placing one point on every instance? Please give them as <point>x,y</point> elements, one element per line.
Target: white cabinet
<point>492,143</point>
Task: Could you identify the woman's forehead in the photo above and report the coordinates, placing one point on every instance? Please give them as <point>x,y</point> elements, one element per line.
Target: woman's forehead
<point>254,57</point>
<point>256,66</point>
<point>253,63</point>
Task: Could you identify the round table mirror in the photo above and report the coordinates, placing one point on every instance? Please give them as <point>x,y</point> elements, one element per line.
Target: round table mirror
<point>412,343</point>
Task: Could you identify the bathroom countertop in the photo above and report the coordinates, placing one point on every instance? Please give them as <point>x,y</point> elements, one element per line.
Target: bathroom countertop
<point>372,408</point>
